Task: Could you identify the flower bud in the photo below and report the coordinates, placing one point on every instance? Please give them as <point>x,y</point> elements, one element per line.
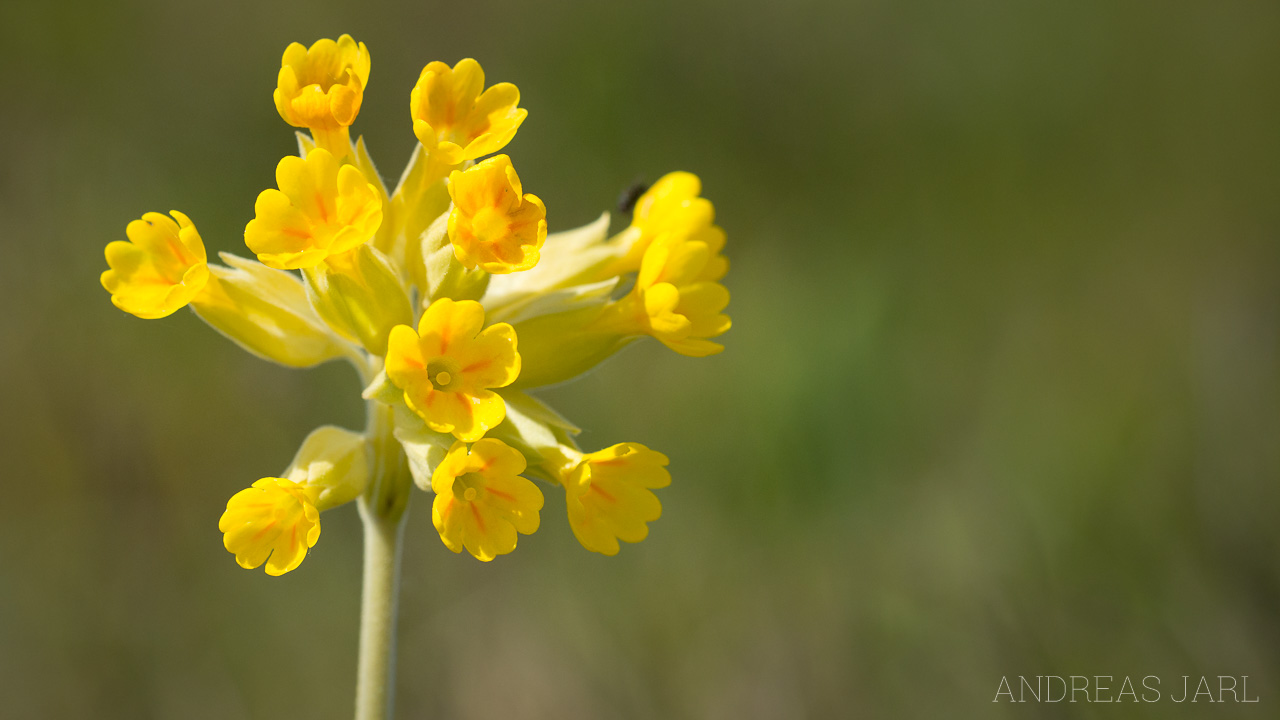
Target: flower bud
<point>537,431</point>
<point>266,312</point>
<point>360,296</point>
<point>423,447</point>
<point>561,346</point>
<point>335,462</point>
<point>446,277</point>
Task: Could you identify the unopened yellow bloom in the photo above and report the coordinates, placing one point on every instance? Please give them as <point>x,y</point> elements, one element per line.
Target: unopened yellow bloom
<point>447,367</point>
<point>321,88</point>
<point>266,312</point>
<point>321,209</point>
<point>494,224</point>
<point>481,500</point>
<point>454,120</point>
<point>360,296</point>
<point>608,495</point>
<point>331,466</point>
<point>276,518</point>
<point>162,267</point>
<point>676,298</point>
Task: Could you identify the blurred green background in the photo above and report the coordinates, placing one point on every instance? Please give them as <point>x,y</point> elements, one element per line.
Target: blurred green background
<point>1001,397</point>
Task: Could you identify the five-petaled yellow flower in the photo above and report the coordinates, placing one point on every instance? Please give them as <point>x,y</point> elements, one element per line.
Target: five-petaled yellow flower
<point>494,224</point>
<point>447,367</point>
<point>161,269</point>
<point>481,500</point>
<point>608,495</point>
<point>321,209</point>
<point>276,518</point>
<point>321,88</point>
<point>454,120</point>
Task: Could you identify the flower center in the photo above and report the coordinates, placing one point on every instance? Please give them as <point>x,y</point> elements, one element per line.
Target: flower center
<point>443,375</point>
<point>490,225</point>
<point>467,486</point>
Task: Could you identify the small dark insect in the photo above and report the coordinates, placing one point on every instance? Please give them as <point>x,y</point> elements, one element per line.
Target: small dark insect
<point>628,197</point>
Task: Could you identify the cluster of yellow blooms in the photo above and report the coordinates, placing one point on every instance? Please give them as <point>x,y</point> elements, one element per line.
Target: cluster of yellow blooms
<point>451,300</point>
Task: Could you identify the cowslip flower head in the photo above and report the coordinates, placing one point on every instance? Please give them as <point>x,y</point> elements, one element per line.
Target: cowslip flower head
<point>321,88</point>
<point>494,224</point>
<point>481,500</point>
<point>275,521</point>
<point>609,495</point>
<point>454,120</point>
<point>160,269</point>
<point>447,367</point>
<point>401,283</point>
<point>321,209</point>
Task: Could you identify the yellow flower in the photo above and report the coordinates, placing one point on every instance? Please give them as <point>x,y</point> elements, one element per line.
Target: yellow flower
<point>321,88</point>
<point>447,367</point>
<point>608,495</point>
<point>161,268</point>
<point>481,500</point>
<point>321,209</point>
<point>454,121</point>
<point>676,298</point>
<point>493,223</point>
<point>671,203</point>
<point>276,518</point>
<point>672,206</point>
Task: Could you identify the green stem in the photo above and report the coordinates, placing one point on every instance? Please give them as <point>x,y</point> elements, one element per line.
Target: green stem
<point>375,676</point>
<point>382,508</point>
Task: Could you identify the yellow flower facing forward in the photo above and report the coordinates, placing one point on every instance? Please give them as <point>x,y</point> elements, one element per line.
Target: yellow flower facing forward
<point>321,209</point>
<point>676,298</point>
<point>609,498</point>
<point>160,269</point>
<point>321,88</point>
<point>275,522</point>
<point>481,500</point>
<point>454,120</point>
<point>447,367</point>
<point>494,224</point>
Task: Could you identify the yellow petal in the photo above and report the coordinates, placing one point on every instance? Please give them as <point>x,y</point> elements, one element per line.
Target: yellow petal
<point>494,224</point>
<point>161,269</point>
<point>318,211</point>
<point>481,502</point>
<point>454,120</point>
<point>274,521</point>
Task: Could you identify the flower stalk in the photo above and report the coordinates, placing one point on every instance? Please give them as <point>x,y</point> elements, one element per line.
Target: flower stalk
<point>382,512</point>
<point>376,668</point>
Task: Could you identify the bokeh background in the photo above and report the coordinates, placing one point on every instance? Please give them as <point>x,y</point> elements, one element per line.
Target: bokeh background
<point>1000,398</point>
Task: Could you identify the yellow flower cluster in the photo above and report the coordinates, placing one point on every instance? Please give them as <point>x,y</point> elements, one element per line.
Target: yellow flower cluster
<point>451,300</point>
